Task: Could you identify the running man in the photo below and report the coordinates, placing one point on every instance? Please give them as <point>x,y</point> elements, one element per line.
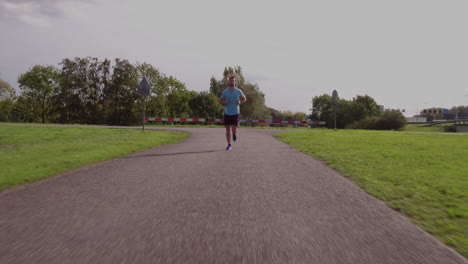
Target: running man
<point>232,97</point>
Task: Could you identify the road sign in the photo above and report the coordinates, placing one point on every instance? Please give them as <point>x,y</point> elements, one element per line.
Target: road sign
<point>144,88</point>
<point>334,97</point>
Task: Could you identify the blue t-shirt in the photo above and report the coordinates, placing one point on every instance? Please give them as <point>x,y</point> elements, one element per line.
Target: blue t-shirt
<point>232,108</point>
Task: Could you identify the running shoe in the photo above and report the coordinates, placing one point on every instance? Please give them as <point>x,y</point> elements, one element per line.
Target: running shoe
<point>229,147</point>
<point>234,137</point>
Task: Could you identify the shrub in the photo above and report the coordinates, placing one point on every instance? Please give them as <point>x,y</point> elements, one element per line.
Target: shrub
<point>391,121</point>
<point>366,123</point>
<point>388,121</point>
<point>450,128</point>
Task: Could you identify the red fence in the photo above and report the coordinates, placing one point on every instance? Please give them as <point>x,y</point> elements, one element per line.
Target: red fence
<point>203,120</point>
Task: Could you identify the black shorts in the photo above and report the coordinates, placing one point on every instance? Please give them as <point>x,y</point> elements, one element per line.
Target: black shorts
<point>231,120</point>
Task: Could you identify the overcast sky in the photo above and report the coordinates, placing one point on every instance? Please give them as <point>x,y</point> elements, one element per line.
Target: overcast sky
<point>407,54</point>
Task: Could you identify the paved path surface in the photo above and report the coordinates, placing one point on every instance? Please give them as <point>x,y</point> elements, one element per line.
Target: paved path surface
<point>194,202</point>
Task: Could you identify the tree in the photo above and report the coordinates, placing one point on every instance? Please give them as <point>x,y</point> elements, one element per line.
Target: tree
<point>68,101</point>
<point>300,116</point>
<point>321,106</point>
<point>254,107</point>
<point>38,86</point>
<point>5,90</point>
<point>6,101</point>
<point>86,90</point>
<point>205,105</point>
<point>80,97</point>
<point>121,96</point>
<point>215,87</point>
<point>24,110</point>
<point>347,112</point>
<point>6,108</point>
<point>365,106</point>
<point>322,109</point>
<point>179,102</point>
<point>98,78</point>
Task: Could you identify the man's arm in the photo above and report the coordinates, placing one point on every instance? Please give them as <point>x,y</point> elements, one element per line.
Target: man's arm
<point>242,100</point>
<point>223,101</point>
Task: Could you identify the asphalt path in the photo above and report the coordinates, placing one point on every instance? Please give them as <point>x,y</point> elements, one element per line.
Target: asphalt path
<point>195,202</point>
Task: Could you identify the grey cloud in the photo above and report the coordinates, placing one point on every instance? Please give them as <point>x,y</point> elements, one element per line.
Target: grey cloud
<point>44,8</point>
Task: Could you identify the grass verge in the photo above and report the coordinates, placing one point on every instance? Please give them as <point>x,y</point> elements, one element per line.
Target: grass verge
<point>31,153</point>
<point>423,176</point>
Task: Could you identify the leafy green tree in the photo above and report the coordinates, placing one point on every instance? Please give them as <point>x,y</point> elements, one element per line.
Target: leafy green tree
<point>6,101</point>
<point>275,114</point>
<point>5,90</point>
<point>216,87</point>
<point>300,116</point>
<point>288,116</point>
<point>24,110</point>
<point>67,101</point>
<point>156,104</point>
<point>322,109</point>
<point>38,86</point>
<point>121,96</point>
<point>86,90</point>
<point>6,108</point>
<point>205,105</point>
<point>321,106</point>
<point>347,111</point>
<point>254,107</point>
<point>98,77</point>
<point>80,99</point>
<point>344,114</point>
<point>364,106</point>
<point>179,102</point>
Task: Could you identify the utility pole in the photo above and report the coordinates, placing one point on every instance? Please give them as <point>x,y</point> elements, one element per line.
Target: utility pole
<point>144,91</point>
<point>335,103</point>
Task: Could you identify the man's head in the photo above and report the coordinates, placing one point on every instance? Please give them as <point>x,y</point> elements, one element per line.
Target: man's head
<point>232,81</point>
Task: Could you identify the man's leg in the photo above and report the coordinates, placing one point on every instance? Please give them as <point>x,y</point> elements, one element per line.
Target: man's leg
<point>228,134</point>
<point>234,132</point>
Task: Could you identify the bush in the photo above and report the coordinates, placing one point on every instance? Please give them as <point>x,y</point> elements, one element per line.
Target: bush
<point>450,128</point>
<point>366,123</point>
<point>391,121</point>
<point>388,121</point>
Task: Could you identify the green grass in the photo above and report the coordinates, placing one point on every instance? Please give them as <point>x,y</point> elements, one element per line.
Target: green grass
<point>423,176</point>
<point>31,153</point>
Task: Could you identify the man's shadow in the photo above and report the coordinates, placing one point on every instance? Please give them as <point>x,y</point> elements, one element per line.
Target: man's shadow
<point>171,154</point>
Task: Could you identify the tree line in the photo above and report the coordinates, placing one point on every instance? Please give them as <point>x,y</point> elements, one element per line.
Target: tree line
<point>349,113</point>
<point>90,91</point>
<point>363,112</point>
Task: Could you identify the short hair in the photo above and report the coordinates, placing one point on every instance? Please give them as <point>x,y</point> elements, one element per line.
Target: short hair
<point>232,76</point>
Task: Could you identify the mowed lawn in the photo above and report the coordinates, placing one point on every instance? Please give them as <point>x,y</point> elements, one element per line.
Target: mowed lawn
<point>423,176</point>
<point>31,153</point>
